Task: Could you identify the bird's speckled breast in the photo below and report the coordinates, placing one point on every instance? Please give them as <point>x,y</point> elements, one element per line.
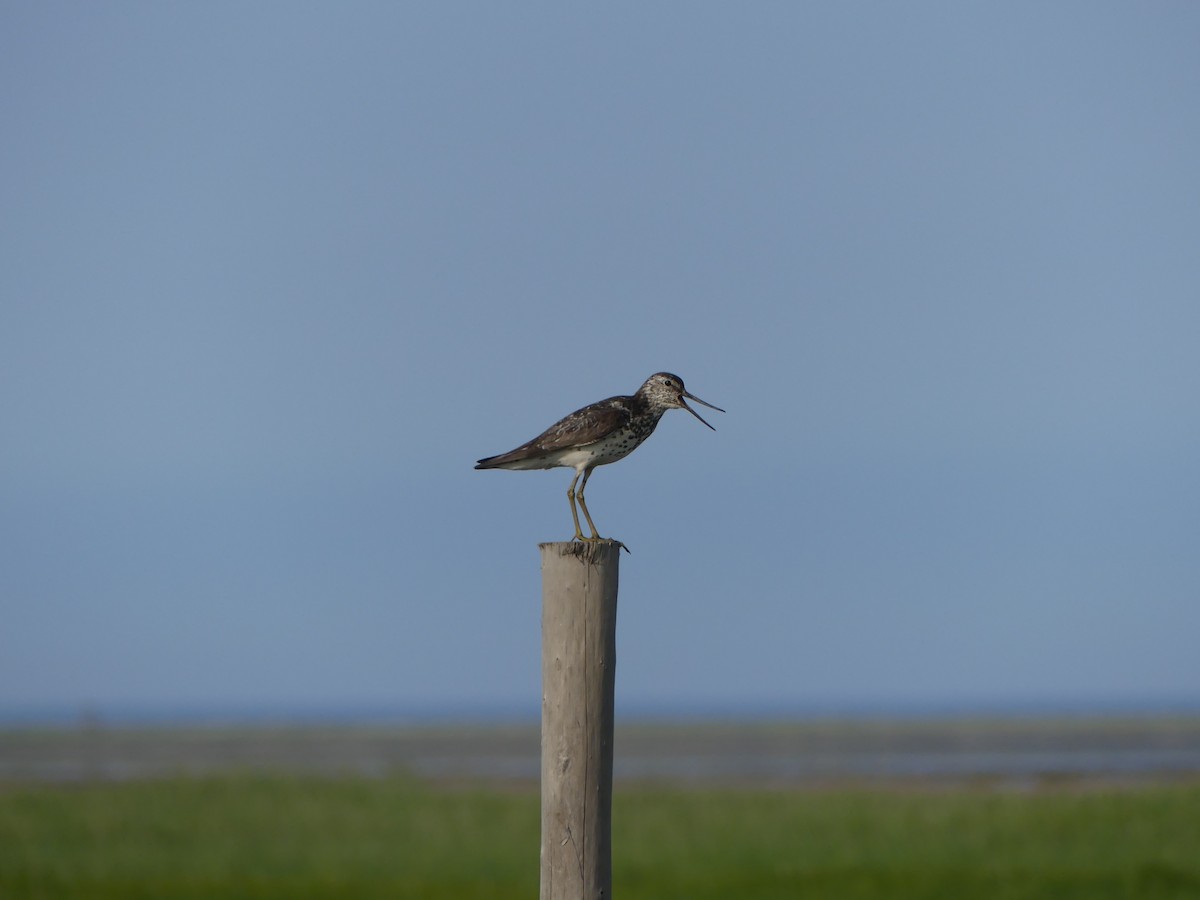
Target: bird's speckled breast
<point>621,443</point>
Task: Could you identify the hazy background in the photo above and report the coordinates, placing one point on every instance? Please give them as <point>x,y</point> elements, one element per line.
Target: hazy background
<point>274,275</point>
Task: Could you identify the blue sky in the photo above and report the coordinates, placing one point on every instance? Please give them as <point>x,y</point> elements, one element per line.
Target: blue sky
<point>275,275</point>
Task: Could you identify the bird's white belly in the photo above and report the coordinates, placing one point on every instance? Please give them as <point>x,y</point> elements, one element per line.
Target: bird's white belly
<point>600,453</point>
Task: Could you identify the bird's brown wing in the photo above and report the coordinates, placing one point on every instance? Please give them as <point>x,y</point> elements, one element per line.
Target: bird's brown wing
<point>584,426</point>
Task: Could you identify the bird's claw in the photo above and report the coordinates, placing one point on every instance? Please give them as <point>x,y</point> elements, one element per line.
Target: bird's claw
<point>595,538</point>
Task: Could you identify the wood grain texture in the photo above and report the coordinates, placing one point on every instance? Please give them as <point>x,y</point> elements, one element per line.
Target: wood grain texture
<point>579,656</point>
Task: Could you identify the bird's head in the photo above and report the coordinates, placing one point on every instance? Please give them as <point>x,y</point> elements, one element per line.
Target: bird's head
<point>665,391</point>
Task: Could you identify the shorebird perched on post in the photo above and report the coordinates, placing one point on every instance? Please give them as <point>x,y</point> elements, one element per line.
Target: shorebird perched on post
<point>597,435</point>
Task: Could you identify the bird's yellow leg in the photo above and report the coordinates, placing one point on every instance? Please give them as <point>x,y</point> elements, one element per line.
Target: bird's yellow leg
<point>574,515</point>
<point>583,505</point>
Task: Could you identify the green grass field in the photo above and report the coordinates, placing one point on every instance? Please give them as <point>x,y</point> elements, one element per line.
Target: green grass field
<point>308,837</point>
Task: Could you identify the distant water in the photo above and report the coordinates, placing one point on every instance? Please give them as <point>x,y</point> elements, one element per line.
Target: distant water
<point>358,714</point>
<point>1009,751</point>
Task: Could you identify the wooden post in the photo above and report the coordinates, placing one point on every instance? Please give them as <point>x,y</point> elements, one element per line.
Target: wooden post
<point>579,656</point>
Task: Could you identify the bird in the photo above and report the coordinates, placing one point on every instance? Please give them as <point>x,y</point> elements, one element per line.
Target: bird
<point>599,434</point>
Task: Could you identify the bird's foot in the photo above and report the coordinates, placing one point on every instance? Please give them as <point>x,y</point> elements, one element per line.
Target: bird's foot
<point>595,538</point>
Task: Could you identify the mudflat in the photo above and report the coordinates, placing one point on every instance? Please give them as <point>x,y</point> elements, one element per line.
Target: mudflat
<point>1004,752</point>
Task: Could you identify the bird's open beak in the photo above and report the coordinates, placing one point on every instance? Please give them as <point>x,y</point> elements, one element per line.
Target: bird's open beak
<point>702,403</point>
